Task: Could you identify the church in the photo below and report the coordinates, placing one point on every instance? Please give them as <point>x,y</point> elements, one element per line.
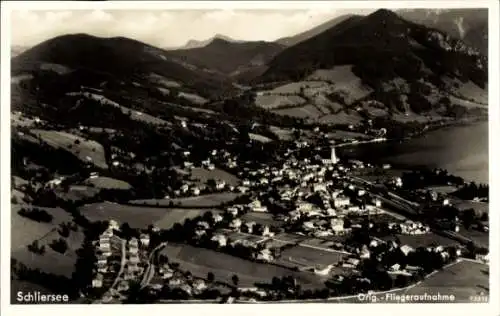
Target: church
<point>333,158</point>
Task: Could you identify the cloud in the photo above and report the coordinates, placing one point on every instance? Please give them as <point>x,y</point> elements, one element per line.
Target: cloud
<point>165,28</point>
<point>99,16</point>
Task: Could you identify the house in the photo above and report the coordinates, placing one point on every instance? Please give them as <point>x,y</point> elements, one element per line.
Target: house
<point>220,184</point>
<point>102,261</point>
<point>133,242</point>
<point>235,223</point>
<point>483,257</point>
<point>242,189</point>
<point>308,225</point>
<point>353,261</point>
<point>323,270</point>
<point>220,239</point>
<point>97,281</point>
<point>395,267</point>
<point>406,249</point>
<point>341,201</point>
<point>265,255</point>
<point>266,231</point>
<point>199,285</point>
<point>249,226</point>
<point>104,246</point>
<point>322,233</point>
<point>122,286</point>
<point>217,218</point>
<point>186,288</point>
<point>364,253</point>
<point>232,210</point>
<point>144,240</point>
<point>261,209</point>
<point>166,273</point>
<point>337,225</point>
<point>134,259</point>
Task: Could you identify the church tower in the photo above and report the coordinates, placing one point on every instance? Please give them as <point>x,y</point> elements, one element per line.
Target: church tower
<point>334,156</point>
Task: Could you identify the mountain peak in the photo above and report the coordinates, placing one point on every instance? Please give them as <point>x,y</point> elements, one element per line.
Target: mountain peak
<point>384,14</point>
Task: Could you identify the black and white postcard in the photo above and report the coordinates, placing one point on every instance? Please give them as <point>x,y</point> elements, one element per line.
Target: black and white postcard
<point>250,153</point>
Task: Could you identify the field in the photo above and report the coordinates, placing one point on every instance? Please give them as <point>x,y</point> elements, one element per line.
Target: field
<point>260,218</point>
<point>469,90</point>
<point>202,175</point>
<point>479,207</point>
<point>425,240</point>
<point>135,216</point>
<point>341,118</point>
<point>200,261</point>
<point>107,183</point>
<point>259,138</point>
<point>344,80</point>
<point>338,134</point>
<point>296,87</point>
<point>173,216</point>
<point>282,133</point>
<point>163,81</point>
<point>84,149</point>
<point>274,101</point>
<point>77,192</point>
<point>481,238</point>
<point>194,98</point>
<point>291,238</point>
<point>463,279</point>
<point>138,216</point>
<point>306,111</point>
<point>301,256</point>
<point>24,231</point>
<point>411,117</point>
<point>135,115</point>
<point>208,200</point>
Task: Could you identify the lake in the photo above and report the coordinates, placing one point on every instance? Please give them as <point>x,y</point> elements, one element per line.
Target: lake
<point>462,150</point>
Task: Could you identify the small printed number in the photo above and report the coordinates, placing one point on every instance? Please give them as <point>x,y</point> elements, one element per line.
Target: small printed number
<point>479,298</point>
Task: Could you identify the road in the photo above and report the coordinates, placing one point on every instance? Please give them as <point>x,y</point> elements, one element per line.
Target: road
<point>411,213</point>
<point>300,244</point>
<point>122,265</point>
<point>150,270</point>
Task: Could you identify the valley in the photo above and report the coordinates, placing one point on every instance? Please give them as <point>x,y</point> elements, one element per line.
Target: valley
<point>216,171</point>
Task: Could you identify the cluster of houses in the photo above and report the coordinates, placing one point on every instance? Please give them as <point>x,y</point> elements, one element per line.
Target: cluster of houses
<point>411,228</point>
<point>107,245</point>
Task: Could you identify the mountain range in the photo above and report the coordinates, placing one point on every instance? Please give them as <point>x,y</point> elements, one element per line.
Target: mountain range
<point>197,44</point>
<point>391,59</point>
<point>469,25</point>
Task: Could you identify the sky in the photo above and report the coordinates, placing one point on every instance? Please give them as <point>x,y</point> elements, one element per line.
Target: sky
<point>168,28</point>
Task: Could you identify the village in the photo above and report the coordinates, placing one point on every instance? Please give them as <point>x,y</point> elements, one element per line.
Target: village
<point>305,216</point>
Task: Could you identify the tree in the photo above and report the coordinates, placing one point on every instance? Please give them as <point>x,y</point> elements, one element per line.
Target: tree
<point>484,217</point>
<point>210,277</point>
<point>468,217</point>
<point>235,280</point>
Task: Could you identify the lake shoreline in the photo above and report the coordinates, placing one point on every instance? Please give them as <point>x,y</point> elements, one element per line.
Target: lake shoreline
<point>434,148</point>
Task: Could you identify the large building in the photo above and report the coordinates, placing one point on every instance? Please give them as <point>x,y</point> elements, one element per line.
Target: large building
<point>333,158</point>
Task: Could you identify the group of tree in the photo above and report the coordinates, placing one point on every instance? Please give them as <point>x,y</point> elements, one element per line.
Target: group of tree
<point>60,245</point>
<point>36,248</point>
<point>472,191</point>
<point>36,214</point>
